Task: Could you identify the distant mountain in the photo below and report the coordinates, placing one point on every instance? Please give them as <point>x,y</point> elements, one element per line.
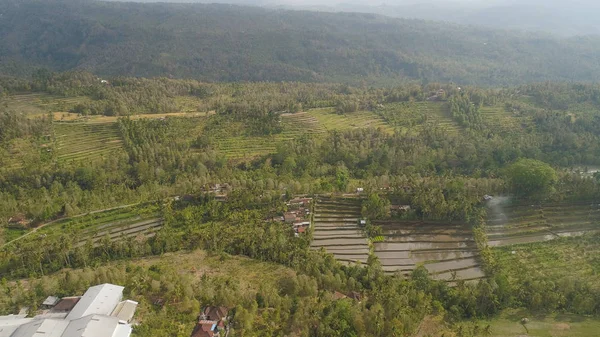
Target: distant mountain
<point>562,18</point>
<point>235,43</point>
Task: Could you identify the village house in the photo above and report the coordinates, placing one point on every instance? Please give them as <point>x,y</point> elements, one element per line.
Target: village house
<point>298,203</point>
<point>399,209</point>
<point>18,220</point>
<point>212,322</point>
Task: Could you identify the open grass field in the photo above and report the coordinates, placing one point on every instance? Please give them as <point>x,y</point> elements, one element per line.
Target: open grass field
<point>82,141</point>
<point>555,325</point>
<point>247,273</point>
<point>561,259</point>
<point>447,251</point>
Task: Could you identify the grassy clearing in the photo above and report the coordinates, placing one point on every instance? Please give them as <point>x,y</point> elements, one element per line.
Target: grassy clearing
<point>561,259</point>
<point>248,273</point>
<point>556,325</point>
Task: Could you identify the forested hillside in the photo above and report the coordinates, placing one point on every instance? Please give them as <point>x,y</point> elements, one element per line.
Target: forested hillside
<point>232,43</point>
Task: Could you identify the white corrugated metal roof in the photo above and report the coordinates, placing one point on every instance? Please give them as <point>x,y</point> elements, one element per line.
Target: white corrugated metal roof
<point>10,323</point>
<point>99,300</point>
<point>123,330</point>
<point>51,300</point>
<point>92,326</point>
<point>42,328</point>
<point>125,310</point>
<point>89,318</point>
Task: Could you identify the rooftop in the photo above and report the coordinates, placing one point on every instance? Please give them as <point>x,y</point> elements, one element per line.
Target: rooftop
<point>90,316</point>
<point>101,300</point>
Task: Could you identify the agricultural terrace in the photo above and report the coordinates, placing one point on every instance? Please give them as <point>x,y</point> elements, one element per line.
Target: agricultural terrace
<point>330,120</point>
<point>231,139</point>
<point>571,261</point>
<point>83,141</point>
<point>336,229</point>
<point>447,251</point>
<point>509,225</point>
<point>497,118</point>
<point>115,224</point>
<point>412,116</point>
<point>36,104</point>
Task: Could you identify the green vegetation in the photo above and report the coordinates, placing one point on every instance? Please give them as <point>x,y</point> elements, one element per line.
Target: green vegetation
<point>560,275</point>
<point>214,177</point>
<point>529,177</point>
<point>86,141</point>
<point>162,40</point>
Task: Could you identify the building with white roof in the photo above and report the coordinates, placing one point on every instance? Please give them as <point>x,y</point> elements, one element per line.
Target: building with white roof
<point>101,300</point>
<point>99,313</point>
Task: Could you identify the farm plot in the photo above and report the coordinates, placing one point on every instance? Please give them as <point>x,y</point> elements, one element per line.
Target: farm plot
<point>82,141</point>
<point>447,251</point>
<point>34,105</point>
<point>564,260</point>
<point>413,116</point>
<point>113,224</point>
<point>498,119</point>
<point>249,147</point>
<point>336,229</point>
<point>329,120</point>
<point>523,224</point>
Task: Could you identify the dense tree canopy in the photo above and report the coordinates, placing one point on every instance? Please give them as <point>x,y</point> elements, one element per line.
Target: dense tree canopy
<point>530,177</point>
<point>233,43</point>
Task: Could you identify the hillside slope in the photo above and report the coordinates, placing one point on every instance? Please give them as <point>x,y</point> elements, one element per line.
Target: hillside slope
<point>232,43</point>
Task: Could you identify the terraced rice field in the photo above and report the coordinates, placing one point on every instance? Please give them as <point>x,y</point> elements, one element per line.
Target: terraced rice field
<point>497,118</point>
<point>245,147</point>
<point>510,225</point>
<point>565,260</point>
<point>447,251</point>
<point>39,104</point>
<point>439,115</point>
<point>82,141</point>
<point>413,116</point>
<point>336,229</point>
<point>115,224</point>
<point>329,120</point>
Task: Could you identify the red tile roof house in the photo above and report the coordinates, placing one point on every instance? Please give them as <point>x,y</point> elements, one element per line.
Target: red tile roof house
<point>289,217</point>
<point>211,322</point>
<point>206,328</point>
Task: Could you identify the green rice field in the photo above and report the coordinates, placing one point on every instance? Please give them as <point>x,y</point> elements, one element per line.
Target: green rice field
<point>82,141</point>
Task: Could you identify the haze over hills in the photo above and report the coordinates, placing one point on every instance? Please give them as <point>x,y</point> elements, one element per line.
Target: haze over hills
<point>557,17</point>
<point>229,43</point>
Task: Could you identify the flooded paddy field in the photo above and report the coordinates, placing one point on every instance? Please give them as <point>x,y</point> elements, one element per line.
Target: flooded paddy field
<point>337,231</point>
<point>523,224</point>
<point>447,251</point>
